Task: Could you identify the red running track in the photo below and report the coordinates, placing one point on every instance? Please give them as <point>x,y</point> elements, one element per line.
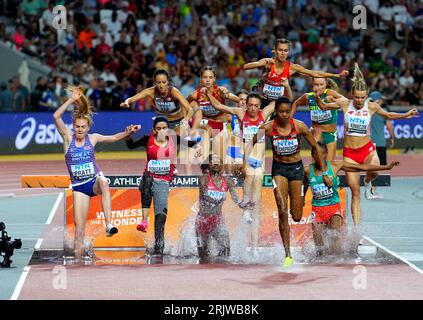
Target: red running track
<point>227,282</point>
<point>213,281</point>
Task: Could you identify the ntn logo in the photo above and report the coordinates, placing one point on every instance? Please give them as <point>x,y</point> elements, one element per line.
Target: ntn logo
<point>358,120</point>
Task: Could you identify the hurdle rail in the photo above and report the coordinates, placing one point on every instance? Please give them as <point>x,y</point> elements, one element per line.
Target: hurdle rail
<point>179,181</point>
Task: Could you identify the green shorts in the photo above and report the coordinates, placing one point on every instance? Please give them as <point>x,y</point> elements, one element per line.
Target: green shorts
<point>329,137</point>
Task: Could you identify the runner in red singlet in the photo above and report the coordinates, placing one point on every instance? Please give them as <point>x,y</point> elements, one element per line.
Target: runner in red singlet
<point>278,68</point>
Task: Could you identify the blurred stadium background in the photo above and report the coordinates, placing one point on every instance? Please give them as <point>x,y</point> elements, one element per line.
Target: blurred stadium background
<point>112,48</point>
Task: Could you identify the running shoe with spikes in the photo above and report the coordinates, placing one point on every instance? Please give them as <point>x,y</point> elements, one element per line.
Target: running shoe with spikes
<point>111,230</point>
<point>287,262</point>
<point>142,226</point>
<point>368,190</point>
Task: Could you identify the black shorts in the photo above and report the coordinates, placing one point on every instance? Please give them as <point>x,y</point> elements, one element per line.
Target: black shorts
<point>174,124</point>
<point>291,171</point>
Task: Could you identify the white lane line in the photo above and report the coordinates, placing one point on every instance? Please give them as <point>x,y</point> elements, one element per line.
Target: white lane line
<point>20,284</point>
<point>38,244</point>
<point>412,265</point>
<point>26,269</point>
<point>53,210</point>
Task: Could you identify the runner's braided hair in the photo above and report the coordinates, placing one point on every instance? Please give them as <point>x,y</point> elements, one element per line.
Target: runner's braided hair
<point>358,79</point>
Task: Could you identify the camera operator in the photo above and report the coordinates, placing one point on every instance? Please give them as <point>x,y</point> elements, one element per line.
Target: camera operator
<point>7,246</point>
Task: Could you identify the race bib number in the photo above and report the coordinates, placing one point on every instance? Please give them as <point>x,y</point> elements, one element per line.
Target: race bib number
<point>165,106</point>
<point>321,192</point>
<point>273,92</point>
<point>208,110</point>
<point>357,126</point>
<point>320,116</point>
<point>159,166</point>
<point>83,171</point>
<point>285,147</point>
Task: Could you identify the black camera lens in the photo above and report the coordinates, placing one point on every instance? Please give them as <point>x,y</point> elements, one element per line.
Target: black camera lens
<point>17,243</point>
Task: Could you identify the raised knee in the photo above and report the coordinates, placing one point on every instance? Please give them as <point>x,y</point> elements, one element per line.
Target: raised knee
<point>103,182</point>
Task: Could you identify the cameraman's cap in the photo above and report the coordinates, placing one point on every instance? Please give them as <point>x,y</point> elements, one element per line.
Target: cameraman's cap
<point>376,95</point>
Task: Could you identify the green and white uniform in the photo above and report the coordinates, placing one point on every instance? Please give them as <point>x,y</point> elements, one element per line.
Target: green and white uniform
<point>322,195</point>
<point>322,117</point>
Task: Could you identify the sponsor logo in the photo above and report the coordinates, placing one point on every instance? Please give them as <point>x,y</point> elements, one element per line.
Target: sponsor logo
<point>40,133</point>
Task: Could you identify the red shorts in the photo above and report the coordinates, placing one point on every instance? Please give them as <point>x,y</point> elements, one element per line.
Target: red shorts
<point>217,125</point>
<point>359,155</point>
<point>211,123</point>
<point>324,213</point>
<point>206,224</point>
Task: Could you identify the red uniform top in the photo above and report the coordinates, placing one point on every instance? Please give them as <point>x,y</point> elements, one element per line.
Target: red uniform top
<point>286,145</point>
<point>214,192</point>
<point>249,127</point>
<point>160,159</point>
<point>272,87</point>
<point>206,106</point>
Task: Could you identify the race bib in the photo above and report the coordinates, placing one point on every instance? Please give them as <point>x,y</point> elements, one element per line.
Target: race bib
<point>248,133</point>
<point>83,171</point>
<point>165,106</point>
<point>159,166</point>
<point>208,110</point>
<point>285,147</point>
<point>320,116</point>
<point>357,126</point>
<point>321,192</point>
<point>273,92</point>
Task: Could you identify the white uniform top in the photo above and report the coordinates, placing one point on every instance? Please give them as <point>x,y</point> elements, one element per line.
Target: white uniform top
<point>357,122</point>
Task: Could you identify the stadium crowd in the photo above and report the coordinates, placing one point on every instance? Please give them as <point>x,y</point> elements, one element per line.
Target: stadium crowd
<point>112,48</point>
